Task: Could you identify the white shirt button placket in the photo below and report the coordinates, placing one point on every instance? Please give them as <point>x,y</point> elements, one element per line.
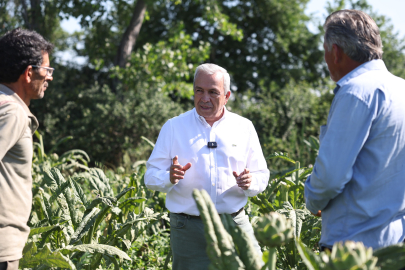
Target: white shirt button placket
<point>213,167</point>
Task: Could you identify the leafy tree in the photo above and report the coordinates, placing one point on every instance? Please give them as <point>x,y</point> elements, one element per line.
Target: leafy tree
<point>140,51</point>
<point>276,45</point>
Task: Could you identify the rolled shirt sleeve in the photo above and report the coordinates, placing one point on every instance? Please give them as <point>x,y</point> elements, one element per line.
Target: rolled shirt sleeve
<point>157,176</point>
<point>257,166</point>
<point>341,141</point>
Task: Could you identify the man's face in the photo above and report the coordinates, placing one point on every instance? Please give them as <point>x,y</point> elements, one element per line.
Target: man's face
<point>329,59</point>
<point>40,79</point>
<point>209,96</point>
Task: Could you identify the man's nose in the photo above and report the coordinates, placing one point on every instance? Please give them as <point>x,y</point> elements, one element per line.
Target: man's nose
<point>205,97</point>
<point>49,78</point>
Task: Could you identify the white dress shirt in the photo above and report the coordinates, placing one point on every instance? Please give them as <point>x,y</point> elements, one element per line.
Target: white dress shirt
<point>187,136</point>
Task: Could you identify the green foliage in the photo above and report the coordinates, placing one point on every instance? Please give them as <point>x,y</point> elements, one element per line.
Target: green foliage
<point>285,196</point>
<point>7,20</point>
<point>285,117</point>
<point>97,218</point>
<point>68,162</point>
<point>279,81</point>
<point>391,257</point>
<point>45,256</point>
<point>221,248</point>
<point>348,255</point>
<point>276,44</point>
<point>106,124</point>
<point>243,245</point>
<point>167,66</point>
<point>72,228</point>
<point>273,230</point>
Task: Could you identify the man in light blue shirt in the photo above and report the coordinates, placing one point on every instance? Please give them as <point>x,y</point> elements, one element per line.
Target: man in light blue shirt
<point>358,180</point>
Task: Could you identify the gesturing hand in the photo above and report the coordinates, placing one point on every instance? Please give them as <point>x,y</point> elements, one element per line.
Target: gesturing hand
<point>177,171</point>
<point>319,214</point>
<point>243,179</point>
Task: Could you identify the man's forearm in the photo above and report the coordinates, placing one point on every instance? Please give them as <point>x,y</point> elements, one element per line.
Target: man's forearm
<point>158,180</point>
<point>260,180</point>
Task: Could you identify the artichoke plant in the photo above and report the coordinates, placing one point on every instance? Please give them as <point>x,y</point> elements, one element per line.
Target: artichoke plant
<point>344,256</point>
<point>350,255</point>
<point>273,230</point>
<point>228,247</point>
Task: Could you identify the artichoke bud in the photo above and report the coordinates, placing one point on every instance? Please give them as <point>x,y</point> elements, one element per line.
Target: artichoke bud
<point>54,157</point>
<point>351,255</point>
<point>273,230</point>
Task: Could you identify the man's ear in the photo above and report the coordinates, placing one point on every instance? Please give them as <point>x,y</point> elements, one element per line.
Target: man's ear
<point>337,53</point>
<point>227,96</point>
<point>28,74</point>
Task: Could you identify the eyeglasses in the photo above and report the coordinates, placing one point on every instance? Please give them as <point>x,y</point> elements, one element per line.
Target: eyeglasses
<point>49,71</point>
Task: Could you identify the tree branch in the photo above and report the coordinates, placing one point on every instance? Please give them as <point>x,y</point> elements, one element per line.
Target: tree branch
<point>36,15</point>
<point>131,34</point>
<point>25,14</point>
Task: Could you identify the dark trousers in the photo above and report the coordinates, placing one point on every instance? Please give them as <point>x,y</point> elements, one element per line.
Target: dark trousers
<point>12,265</point>
<point>189,245</point>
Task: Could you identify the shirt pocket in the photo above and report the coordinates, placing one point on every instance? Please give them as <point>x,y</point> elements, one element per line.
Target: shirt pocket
<point>226,180</point>
<point>237,153</point>
<point>324,128</point>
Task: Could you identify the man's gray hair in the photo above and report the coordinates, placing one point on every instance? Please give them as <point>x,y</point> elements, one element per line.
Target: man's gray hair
<point>355,32</point>
<point>211,69</point>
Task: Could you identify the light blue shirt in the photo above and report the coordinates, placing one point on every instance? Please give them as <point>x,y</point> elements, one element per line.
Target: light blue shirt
<point>358,180</point>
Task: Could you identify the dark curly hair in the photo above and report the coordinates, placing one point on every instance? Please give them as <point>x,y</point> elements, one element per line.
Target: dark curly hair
<point>20,48</point>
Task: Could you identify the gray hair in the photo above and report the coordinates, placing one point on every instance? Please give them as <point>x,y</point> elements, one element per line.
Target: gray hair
<point>211,69</point>
<point>355,32</point>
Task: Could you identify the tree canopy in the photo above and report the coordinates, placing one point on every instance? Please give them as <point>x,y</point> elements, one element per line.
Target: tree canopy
<point>141,56</point>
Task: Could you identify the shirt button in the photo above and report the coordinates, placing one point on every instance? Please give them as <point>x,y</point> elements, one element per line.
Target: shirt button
<point>213,184</point>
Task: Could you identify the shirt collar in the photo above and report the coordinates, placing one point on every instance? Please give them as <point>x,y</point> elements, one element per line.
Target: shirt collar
<point>13,95</point>
<point>202,119</point>
<point>7,91</point>
<point>377,64</point>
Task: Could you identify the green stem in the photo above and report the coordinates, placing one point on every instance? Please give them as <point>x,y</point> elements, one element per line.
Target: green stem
<point>168,258</point>
<point>271,263</point>
<point>297,180</point>
<point>294,252</point>
<point>284,193</point>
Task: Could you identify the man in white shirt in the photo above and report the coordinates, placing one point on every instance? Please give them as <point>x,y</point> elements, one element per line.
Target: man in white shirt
<point>206,148</point>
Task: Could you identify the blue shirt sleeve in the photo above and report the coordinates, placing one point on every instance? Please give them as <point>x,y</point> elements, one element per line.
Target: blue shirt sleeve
<point>348,127</point>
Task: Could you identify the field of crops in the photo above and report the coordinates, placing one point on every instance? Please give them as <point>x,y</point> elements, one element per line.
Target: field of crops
<point>98,218</point>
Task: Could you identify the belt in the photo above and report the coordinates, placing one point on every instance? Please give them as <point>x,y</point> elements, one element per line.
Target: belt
<point>191,216</point>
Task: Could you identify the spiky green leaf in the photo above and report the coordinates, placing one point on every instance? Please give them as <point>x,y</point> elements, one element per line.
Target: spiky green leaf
<point>46,257</point>
<point>39,230</point>
<point>96,248</point>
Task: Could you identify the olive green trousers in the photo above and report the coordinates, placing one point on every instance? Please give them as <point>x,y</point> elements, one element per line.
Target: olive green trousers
<point>188,242</point>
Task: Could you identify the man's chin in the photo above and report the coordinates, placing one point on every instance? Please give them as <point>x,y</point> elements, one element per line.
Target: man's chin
<point>40,95</point>
<point>204,113</point>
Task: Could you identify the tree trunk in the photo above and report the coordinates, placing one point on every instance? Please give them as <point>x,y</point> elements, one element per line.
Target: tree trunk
<point>25,14</point>
<point>36,16</point>
<point>131,34</point>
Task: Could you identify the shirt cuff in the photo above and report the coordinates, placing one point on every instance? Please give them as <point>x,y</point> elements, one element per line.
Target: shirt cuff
<point>309,203</point>
<point>253,190</point>
<point>166,182</point>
